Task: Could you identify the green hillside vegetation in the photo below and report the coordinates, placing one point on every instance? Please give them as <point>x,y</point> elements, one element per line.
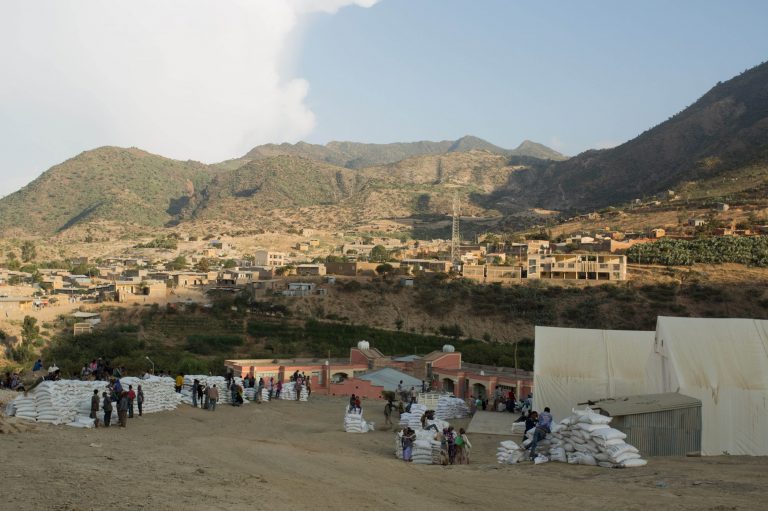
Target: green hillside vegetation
<point>277,182</point>
<point>123,185</point>
<point>357,155</point>
<point>752,250</point>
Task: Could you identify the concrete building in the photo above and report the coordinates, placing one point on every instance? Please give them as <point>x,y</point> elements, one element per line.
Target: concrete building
<point>310,269</point>
<point>577,267</point>
<point>431,265</point>
<point>127,291</point>
<point>270,258</point>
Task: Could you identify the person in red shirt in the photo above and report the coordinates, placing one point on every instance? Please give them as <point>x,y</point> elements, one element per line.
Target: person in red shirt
<point>131,398</point>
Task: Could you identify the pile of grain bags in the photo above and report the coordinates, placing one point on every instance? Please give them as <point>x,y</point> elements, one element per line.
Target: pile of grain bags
<point>518,428</point>
<point>509,452</point>
<point>225,395</point>
<point>354,423</point>
<point>585,438</point>
<point>412,419</point>
<point>288,392</point>
<point>426,447</point>
<point>450,407</point>
<point>69,401</point>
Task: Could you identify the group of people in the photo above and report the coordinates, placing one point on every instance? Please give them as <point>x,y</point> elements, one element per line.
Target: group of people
<point>455,448</point>
<point>206,396</point>
<point>409,396</point>
<point>354,405</point>
<point>100,369</point>
<point>123,399</point>
<point>12,381</point>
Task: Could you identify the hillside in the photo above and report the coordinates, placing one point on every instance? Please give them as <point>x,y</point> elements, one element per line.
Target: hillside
<point>109,183</point>
<point>357,155</point>
<point>260,187</point>
<point>724,131</point>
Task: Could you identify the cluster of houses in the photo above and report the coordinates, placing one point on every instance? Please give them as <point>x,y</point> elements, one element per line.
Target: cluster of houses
<point>368,371</point>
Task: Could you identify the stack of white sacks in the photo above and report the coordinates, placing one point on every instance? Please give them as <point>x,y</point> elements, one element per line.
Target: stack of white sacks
<point>354,423</point>
<point>584,438</point>
<point>509,452</point>
<point>69,401</point>
<point>288,392</point>
<point>225,395</point>
<point>450,407</point>
<point>412,419</point>
<point>426,447</point>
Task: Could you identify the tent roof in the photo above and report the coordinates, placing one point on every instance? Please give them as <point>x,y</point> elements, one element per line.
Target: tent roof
<point>573,365</point>
<point>645,403</point>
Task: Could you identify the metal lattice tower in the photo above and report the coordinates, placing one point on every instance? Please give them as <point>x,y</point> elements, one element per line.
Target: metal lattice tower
<point>455,235</point>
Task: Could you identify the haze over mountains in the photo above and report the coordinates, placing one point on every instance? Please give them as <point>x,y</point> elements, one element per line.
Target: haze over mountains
<point>721,138</point>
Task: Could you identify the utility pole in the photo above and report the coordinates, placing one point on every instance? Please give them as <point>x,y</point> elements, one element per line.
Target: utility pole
<point>455,235</point>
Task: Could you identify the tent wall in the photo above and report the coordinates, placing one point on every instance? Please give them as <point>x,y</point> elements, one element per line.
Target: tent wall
<point>724,363</point>
<point>574,365</point>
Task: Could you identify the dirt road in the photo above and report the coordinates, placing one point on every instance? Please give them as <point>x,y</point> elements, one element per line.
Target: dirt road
<point>288,455</point>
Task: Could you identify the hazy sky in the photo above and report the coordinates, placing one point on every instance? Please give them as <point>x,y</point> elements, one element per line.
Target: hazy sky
<point>209,79</point>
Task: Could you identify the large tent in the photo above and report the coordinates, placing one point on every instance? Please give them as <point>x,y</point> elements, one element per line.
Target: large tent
<point>573,365</point>
<point>724,363</point>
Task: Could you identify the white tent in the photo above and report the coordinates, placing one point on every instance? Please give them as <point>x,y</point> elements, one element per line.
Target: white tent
<point>573,365</point>
<point>724,363</point>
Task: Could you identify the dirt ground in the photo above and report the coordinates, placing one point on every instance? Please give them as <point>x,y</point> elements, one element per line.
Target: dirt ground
<point>295,455</point>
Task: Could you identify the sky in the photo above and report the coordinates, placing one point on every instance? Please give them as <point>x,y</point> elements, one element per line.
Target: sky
<point>209,79</point>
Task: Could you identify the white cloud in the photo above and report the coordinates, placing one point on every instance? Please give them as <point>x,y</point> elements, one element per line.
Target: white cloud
<point>196,79</point>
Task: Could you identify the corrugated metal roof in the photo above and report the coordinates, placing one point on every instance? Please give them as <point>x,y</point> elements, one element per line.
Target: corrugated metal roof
<point>407,358</point>
<point>646,403</point>
<point>389,378</point>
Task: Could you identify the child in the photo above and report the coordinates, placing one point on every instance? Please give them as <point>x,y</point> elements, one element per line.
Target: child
<point>463,447</point>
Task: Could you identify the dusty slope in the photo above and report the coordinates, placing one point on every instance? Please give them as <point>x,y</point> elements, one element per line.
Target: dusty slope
<point>294,455</point>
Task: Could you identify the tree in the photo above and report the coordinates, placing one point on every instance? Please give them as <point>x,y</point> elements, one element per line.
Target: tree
<point>399,323</point>
<point>29,329</point>
<point>230,263</point>
<point>28,251</point>
<point>203,265</point>
<point>379,254</point>
<point>177,264</point>
<point>384,269</point>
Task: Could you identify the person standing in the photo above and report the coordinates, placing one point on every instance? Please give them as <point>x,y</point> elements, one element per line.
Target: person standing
<point>408,438</point>
<point>388,412</point>
<point>309,388</point>
<point>463,447</point>
<point>195,386</point>
<point>213,397</point>
<point>279,389</point>
<point>450,441</point>
<point>414,395</point>
<point>200,386</point>
<point>122,409</point>
<point>95,408</point>
<point>107,407</point>
<point>131,398</point>
<point>139,398</point>
<point>179,382</point>
<point>207,396</point>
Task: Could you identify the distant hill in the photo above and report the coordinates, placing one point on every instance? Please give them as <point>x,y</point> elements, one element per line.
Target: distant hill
<point>357,155</point>
<point>261,186</point>
<point>722,132</point>
<point>716,147</point>
<point>123,185</point>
